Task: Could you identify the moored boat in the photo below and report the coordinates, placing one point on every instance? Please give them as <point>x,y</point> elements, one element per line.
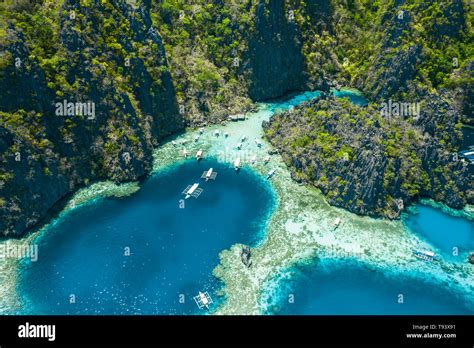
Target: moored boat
<point>424,255</point>
<point>237,163</point>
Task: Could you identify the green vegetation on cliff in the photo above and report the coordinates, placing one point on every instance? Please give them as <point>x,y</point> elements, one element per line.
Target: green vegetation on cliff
<point>205,44</point>
<point>366,162</point>
<point>150,68</point>
<point>108,63</point>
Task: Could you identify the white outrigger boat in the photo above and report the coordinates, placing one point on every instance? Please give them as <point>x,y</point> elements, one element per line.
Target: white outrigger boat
<point>253,159</point>
<point>271,173</point>
<point>199,155</point>
<point>201,130</point>
<point>424,255</point>
<point>266,159</point>
<point>203,299</point>
<point>185,153</point>
<point>192,191</point>
<point>217,132</point>
<point>196,138</point>
<point>239,146</point>
<point>243,138</point>
<point>337,222</point>
<point>209,174</point>
<point>173,142</point>
<point>237,163</point>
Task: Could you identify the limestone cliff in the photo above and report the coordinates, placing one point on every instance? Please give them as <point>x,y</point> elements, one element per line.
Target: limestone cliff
<point>105,54</point>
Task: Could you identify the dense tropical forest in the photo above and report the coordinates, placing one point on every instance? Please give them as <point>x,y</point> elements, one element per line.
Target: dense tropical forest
<point>88,88</point>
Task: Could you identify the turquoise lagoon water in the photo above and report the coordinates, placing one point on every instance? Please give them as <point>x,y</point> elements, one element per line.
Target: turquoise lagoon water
<point>172,250</point>
<point>453,236</point>
<point>284,105</point>
<point>328,287</point>
<point>353,95</point>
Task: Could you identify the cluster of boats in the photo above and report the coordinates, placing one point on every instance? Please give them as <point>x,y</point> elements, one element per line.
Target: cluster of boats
<point>238,162</point>
<point>194,190</point>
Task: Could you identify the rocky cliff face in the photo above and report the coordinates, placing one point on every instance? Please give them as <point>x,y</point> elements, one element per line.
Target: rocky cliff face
<point>275,55</point>
<point>107,56</point>
<point>415,44</point>
<point>110,56</point>
<point>134,72</point>
<point>376,164</point>
<point>369,163</point>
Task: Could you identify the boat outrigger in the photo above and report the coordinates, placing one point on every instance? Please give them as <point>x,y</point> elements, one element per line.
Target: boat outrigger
<point>185,153</point>
<point>337,222</point>
<point>192,191</point>
<point>243,138</point>
<point>209,174</point>
<point>266,159</point>
<point>237,163</point>
<point>468,154</point>
<point>253,159</point>
<point>270,173</point>
<point>239,146</point>
<point>217,132</point>
<point>424,255</point>
<point>199,155</point>
<point>203,299</point>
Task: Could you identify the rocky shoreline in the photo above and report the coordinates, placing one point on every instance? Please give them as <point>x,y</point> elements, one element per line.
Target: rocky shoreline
<point>371,164</point>
<point>300,228</point>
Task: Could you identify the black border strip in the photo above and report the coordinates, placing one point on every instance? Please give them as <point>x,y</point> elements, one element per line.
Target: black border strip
<point>242,330</point>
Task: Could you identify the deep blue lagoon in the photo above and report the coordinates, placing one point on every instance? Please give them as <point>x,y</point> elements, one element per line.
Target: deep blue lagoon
<point>328,287</point>
<point>453,236</point>
<point>172,250</point>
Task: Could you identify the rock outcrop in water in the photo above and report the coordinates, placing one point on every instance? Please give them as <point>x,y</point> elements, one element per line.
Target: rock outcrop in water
<point>470,258</point>
<point>245,256</point>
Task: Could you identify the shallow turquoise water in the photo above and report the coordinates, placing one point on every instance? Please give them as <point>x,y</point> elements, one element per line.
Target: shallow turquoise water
<point>353,96</point>
<point>453,236</point>
<point>284,105</point>
<point>329,287</point>
<point>348,288</point>
<point>173,250</point>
